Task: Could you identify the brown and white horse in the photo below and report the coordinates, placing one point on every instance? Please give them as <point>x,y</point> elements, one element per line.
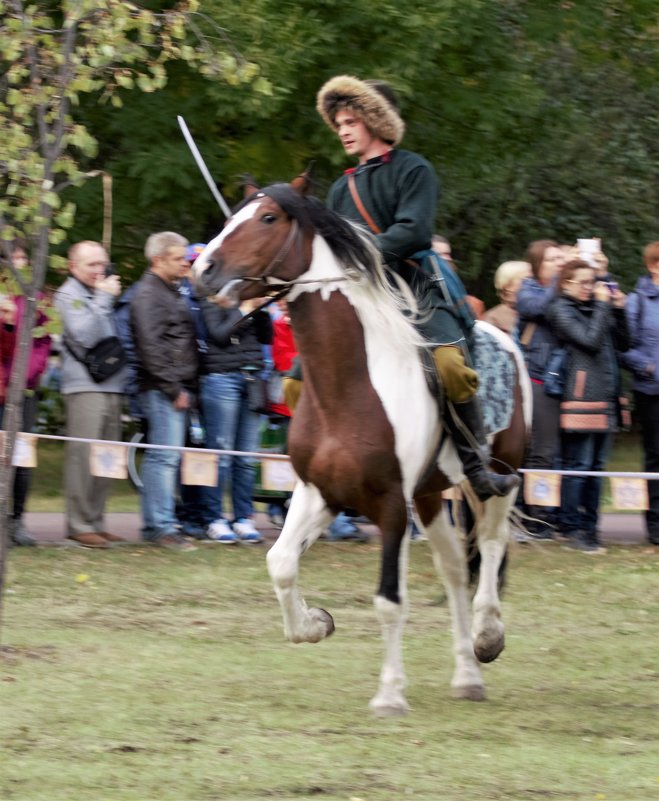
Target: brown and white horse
<point>366,434</point>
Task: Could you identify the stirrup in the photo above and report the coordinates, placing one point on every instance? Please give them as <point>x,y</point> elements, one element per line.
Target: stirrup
<point>487,484</point>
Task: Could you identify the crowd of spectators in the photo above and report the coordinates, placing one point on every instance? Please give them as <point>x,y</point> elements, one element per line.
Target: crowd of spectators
<point>188,360</point>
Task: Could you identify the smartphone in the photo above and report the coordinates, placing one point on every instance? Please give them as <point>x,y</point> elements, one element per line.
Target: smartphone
<point>110,269</point>
<point>613,286</point>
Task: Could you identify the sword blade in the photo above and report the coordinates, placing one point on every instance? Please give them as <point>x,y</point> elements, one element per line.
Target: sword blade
<point>203,168</point>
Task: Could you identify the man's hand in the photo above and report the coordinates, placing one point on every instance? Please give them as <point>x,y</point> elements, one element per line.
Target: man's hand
<point>250,304</point>
<point>110,284</point>
<point>182,400</point>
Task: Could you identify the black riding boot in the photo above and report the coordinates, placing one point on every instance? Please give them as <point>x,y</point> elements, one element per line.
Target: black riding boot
<point>465,425</point>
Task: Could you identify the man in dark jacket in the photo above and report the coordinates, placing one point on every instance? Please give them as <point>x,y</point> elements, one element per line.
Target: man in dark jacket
<point>394,192</point>
<point>167,369</point>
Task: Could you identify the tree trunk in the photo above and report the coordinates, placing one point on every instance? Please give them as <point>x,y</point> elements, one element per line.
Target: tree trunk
<point>13,415</point>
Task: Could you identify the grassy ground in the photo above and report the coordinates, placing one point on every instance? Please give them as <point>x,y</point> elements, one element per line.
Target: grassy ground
<point>47,493</point>
<point>142,675</point>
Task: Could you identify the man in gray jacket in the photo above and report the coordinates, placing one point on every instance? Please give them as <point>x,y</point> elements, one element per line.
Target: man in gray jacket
<point>85,302</point>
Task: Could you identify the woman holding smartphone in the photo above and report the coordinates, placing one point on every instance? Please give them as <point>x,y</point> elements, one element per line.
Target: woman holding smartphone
<point>588,318</point>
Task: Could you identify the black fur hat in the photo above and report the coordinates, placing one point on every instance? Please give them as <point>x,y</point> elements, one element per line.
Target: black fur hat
<point>374,101</point>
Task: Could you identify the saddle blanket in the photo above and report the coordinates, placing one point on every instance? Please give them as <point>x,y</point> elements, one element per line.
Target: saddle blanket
<point>496,379</point>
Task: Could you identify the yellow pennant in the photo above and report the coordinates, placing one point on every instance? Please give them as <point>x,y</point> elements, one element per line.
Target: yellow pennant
<point>278,475</point>
<point>199,469</point>
<point>629,493</point>
<point>541,489</point>
<point>107,461</point>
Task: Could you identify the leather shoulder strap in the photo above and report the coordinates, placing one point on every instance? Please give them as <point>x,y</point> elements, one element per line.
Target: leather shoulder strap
<point>361,208</point>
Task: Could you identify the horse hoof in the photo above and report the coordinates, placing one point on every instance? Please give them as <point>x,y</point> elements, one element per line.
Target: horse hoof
<point>389,709</point>
<point>470,692</point>
<point>324,620</point>
<point>486,650</point>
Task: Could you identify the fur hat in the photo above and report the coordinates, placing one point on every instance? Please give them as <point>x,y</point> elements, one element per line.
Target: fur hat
<point>374,101</point>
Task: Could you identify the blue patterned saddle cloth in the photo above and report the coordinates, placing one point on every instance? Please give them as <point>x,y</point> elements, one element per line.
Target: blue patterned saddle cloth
<point>496,377</point>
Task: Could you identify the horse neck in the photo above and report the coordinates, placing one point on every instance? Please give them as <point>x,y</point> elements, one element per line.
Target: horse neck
<point>330,341</point>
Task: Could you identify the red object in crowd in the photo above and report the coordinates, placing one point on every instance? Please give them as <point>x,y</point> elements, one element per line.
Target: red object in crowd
<point>284,351</point>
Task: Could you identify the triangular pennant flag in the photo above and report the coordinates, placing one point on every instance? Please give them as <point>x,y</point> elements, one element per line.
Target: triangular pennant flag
<point>199,469</point>
<point>278,475</point>
<point>108,461</point>
<point>541,489</point>
<point>629,493</point>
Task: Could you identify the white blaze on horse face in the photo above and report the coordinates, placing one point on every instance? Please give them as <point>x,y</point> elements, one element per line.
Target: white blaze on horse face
<point>203,259</point>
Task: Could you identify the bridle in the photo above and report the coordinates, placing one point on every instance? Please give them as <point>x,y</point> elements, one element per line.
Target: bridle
<point>279,287</point>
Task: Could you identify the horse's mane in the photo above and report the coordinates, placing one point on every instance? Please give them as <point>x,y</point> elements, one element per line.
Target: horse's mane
<point>352,245</point>
<point>354,248</point>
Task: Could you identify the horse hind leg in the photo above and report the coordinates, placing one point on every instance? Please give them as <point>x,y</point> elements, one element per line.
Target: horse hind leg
<point>492,530</point>
<point>307,516</point>
<point>450,563</point>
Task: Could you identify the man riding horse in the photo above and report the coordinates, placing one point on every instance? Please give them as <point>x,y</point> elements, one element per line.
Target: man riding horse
<point>395,193</point>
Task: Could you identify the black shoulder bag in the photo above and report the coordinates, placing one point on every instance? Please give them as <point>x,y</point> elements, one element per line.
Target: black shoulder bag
<point>102,360</point>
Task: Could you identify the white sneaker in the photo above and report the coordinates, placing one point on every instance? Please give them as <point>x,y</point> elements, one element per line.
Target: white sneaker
<point>245,529</point>
<point>220,531</point>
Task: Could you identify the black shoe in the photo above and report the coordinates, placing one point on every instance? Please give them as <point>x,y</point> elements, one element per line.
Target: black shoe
<point>19,535</point>
<point>584,542</point>
<point>465,424</point>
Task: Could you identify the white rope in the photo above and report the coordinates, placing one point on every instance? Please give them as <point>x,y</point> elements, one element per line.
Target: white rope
<point>286,457</point>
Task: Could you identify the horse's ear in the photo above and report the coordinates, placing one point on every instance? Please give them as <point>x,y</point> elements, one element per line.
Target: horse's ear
<point>249,184</point>
<point>302,183</point>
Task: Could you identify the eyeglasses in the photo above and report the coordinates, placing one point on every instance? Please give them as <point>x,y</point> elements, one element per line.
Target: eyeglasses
<point>590,282</point>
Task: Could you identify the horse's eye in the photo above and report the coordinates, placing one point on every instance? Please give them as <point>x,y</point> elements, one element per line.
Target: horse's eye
<point>268,219</point>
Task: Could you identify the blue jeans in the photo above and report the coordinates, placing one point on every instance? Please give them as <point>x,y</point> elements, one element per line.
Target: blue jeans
<point>230,425</point>
<point>580,495</point>
<point>166,426</point>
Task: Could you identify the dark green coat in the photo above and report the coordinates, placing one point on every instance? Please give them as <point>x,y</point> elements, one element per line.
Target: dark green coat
<point>400,191</point>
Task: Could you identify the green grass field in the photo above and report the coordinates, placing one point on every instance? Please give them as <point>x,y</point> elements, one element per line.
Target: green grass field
<point>139,674</point>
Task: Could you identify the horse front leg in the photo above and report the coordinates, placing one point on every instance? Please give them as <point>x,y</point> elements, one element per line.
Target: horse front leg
<point>307,516</point>
<point>391,606</point>
<point>450,562</point>
<point>493,528</point>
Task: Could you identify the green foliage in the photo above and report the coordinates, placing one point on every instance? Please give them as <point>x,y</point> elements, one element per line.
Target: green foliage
<point>540,119</point>
<point>53,57</point>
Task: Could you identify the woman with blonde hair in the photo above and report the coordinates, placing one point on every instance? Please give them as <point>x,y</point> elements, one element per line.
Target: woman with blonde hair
<point>507,280</point>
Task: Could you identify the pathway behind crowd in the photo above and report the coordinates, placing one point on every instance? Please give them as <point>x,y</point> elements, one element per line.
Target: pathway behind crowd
<point>48,527</point>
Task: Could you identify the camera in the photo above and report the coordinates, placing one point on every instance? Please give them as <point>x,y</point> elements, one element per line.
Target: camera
<point>110,269</point>
<point>613,286</point>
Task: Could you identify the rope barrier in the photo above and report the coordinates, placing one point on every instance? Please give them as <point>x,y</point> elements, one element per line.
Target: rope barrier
<point>286,457</point>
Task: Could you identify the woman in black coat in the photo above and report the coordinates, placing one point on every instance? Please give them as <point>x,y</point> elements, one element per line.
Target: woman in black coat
<point>587,316</point>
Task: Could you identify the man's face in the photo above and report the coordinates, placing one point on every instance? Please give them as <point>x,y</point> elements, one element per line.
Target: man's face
<point>88,265</point>
<point>172,265</point>
<point>355,137</point>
